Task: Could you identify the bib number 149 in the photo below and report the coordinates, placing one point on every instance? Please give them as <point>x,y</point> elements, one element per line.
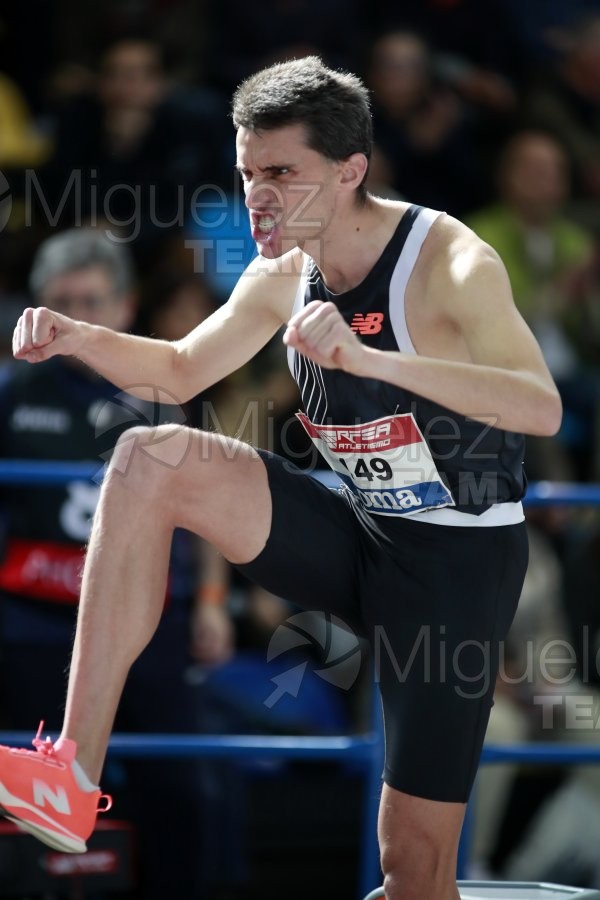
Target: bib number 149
<point>375,467</point>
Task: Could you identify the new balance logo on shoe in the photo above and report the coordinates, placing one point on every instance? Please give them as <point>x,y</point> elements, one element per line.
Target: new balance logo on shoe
<point>58,799</point>
<point>367,324</point>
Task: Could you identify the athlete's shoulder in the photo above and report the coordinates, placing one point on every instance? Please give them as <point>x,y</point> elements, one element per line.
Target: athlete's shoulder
<point>455,254</point>
<point>291,264</point>
<point>273,282</point>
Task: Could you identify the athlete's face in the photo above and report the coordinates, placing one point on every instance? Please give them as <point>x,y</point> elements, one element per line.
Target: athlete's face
<point>291,190</point>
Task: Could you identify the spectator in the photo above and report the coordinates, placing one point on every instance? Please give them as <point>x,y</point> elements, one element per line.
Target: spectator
<point>135,151</point>
<point>475,42</point>
<point>183,25</point>
<point>62,411</point>
<point>422,128</point>
<point>565,99</point>
<point>545,255</point>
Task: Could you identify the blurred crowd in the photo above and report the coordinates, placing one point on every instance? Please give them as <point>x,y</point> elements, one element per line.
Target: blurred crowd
<point>114,117</point>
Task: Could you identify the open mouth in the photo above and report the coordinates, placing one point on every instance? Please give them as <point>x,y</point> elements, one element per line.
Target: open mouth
<point>264,225</point>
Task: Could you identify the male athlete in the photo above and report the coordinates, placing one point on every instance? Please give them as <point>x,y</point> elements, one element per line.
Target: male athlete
<point>418,377</point>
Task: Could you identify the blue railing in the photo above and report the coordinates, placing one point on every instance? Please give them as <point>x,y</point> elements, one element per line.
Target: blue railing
<point>364,749</point>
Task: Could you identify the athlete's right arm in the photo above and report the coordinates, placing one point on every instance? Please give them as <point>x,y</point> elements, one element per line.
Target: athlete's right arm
<point>226,340</point>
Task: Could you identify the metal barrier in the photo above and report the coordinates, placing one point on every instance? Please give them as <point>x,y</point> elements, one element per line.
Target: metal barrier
<point>364,749</point>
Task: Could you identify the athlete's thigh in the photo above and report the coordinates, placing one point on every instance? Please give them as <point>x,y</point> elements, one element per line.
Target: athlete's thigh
<point>313,554</point>
<point>207,483</point>
<point>288,532</point>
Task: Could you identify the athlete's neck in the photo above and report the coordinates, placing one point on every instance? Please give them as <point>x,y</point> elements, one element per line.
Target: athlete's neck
<point>353,243</point>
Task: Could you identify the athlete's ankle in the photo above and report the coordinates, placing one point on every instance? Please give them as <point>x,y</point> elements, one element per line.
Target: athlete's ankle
<point>82,779</point>
<point>66,749</point>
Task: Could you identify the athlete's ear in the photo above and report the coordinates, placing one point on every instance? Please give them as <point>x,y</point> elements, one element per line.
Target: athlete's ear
<point>353,170</point>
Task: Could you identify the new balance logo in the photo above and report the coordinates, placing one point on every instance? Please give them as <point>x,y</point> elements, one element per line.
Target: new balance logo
<point>43,793</point>
<point>366,324</point>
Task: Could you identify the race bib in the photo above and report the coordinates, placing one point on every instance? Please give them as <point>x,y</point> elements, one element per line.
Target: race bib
<point>386,463</point>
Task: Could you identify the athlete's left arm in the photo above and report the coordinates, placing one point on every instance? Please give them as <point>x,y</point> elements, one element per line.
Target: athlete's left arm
<point>505,381</point>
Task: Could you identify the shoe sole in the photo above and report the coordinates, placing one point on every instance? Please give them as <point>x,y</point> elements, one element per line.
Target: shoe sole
<point>66,843</point>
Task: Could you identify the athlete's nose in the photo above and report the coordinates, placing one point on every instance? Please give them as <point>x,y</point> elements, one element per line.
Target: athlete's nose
<point>260,195</point>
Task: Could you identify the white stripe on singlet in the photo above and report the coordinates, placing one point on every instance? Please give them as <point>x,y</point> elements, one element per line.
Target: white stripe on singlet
<point>401,275</point>
<point>303,368</point>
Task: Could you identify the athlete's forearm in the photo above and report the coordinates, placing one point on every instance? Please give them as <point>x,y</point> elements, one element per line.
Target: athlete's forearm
<point>505,398</point>
<point>138,365</point>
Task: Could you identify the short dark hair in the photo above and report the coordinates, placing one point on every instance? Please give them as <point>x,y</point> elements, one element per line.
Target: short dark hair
<point>333,106</point>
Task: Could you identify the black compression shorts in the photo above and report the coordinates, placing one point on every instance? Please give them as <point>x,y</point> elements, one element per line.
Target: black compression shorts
<point>434,601</point>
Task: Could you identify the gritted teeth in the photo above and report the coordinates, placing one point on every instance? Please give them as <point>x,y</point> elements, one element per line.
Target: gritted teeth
<point>266,223</point>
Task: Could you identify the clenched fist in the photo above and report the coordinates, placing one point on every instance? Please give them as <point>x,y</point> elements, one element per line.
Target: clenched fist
<point>319,332</point>
<point>41,333</point>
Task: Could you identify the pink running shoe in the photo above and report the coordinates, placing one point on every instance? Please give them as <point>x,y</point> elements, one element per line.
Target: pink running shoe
<point>39,793</point>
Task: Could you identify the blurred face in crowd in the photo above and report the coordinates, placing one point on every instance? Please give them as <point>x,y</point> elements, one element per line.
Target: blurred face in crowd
<point>534,177</point>
<point>399,72</point>
<point>88,295</point>
<point>132,77</point>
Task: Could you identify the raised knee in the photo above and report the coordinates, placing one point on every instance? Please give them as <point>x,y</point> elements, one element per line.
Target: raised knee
<point>150,456</point>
